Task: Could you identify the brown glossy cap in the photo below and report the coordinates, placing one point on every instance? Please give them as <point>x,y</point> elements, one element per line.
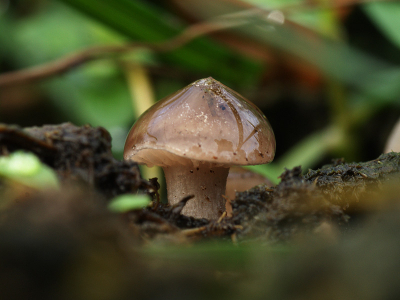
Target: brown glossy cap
<point>203,122</point>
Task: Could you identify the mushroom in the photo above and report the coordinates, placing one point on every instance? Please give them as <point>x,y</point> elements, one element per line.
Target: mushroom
<point>240,180</point>
<point>393,142</point>
<point>196,135</point>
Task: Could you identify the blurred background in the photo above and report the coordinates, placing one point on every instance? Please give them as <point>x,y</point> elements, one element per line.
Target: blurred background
<point>326,73</point>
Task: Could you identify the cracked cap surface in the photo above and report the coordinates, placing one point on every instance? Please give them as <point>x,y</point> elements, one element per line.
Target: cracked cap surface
<point>204,122</point>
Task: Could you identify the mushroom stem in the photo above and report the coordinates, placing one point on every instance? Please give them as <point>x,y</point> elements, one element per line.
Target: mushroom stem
<point>207,183</point>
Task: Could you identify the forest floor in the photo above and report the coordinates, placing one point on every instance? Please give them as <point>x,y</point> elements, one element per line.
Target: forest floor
<point>333,230</point>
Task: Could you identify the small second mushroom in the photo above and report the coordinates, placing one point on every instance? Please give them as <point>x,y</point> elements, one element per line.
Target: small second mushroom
<point>196,135</point>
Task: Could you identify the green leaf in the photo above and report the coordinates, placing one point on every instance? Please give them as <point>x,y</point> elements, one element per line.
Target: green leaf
<point>386,15</point>
<point>128,202</point>
<point>143,22</point>
<point>27,169</point>
<point>270,171</point>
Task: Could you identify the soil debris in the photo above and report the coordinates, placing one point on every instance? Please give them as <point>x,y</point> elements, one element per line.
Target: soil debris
<point>77,154</point>
<point>13,138</point>
<point>349,184</point>
<point>324,198</point>
<point>279,213</point>
<point>66,244</point>
<point>161,219</point>
<point>334,194</point>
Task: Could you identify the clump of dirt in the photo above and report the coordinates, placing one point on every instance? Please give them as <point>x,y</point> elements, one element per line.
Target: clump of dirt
<point>77,154</point>
<point>278,213</point>
<point>351,185</point>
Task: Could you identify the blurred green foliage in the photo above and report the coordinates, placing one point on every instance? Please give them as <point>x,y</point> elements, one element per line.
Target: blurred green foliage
<point>128,202</point>
<point>28,170</point>
<point>144,22</point>
<point>95,94</point>
<point>386,17</point>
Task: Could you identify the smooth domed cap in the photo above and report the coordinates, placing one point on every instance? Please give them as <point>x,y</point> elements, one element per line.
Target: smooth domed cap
<point>203,122</point>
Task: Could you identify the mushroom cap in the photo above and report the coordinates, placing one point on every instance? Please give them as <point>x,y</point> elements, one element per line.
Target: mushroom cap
<point>204,122</point>
<point>241,179</point>
<point>393,142</point>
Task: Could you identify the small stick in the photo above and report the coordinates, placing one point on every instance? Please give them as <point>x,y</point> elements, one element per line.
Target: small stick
<point>228,206</point>
<point>193,231</point>
<point>222,217</point>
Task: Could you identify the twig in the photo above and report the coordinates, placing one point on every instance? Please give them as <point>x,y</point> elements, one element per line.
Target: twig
<point>222,217</point>
<point>79,58</point>
<point>192,231</point>
<point>63,64</point>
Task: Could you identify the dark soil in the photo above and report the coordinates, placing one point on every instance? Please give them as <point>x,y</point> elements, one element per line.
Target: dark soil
<point>65,244</point>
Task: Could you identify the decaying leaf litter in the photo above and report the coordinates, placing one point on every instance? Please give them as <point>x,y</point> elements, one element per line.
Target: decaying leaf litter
<point>298,204</point>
